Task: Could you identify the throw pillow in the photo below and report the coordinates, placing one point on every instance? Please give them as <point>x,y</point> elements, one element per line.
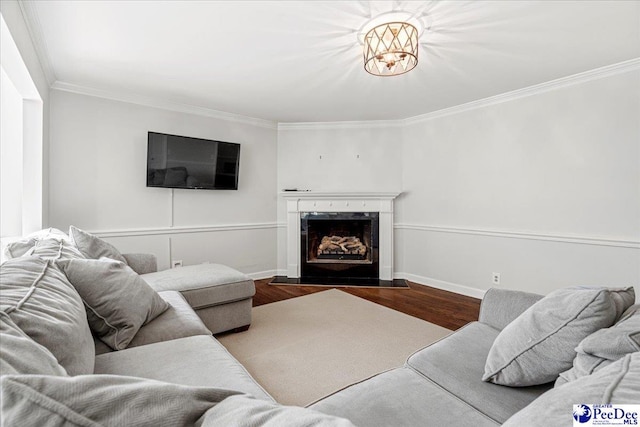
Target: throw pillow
<point>605,346</point>
<point>56,249</point>
<point>19,354</point>
<point>41,302</point>
<point>92,246</point>
<point>615,384</point>
<point>103,400</point>
<point>540,344</point>
<point>19,248</point>
<point>118,301</point>
<point>22,247</point>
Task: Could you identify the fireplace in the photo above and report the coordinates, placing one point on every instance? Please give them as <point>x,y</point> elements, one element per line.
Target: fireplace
<point>339,245</point>
<point>357,229</point>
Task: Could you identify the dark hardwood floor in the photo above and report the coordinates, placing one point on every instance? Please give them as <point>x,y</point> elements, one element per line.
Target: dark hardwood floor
<point>443,308</point>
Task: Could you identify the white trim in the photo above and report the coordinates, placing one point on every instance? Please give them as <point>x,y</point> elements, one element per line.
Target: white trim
<point>364,124</point>
<point>258,275</point>
<point>583,240</point>
<point>586,76</point>
<point>309,201</point>
<point>182,230</point>
<point>441,284</point>
<point>32,20</point>
<point>575,239</point>
<point>329,195</point>
<point>35,30</point>
<point>150,101</point>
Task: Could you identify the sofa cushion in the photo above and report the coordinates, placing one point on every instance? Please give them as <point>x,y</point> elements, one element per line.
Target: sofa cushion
<point>92,246</point>
<point>25,245</point>
<point>19,354</point>
<point>456,363</point>
<point>142,263</point>
<point>103,400</point>
<point>400,398</point>
<point>118,301</point>
<point>540,344</point>
<point>178,321</point>
<point>44,305</point>
<point>197,361</point>
<point>605,346</point>
<point>243,410</point>
<point>617,383</point>
<point>204,285</point>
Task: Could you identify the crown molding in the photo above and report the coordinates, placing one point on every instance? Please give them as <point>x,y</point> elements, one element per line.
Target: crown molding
<point>584,77</point>
<point>32,21</point>
<point>364,124</point>
<point>154,102</point>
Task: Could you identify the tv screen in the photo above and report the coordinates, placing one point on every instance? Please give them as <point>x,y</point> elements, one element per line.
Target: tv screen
<point>182,162</point>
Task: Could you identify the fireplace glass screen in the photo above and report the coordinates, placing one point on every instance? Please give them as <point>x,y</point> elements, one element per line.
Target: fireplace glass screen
<point>339,240</point>
<point>339,244</point>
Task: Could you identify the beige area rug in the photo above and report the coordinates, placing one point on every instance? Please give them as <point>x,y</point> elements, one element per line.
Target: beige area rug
<point>304,348</point>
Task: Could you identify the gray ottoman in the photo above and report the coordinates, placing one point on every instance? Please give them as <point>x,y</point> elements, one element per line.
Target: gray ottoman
<point>221,296</point>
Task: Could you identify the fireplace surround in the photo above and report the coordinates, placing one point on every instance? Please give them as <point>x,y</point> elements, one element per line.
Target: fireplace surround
<point>357,229</point>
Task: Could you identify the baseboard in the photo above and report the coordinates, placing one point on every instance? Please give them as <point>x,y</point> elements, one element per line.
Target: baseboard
<point>441,284</point>
<point>420,280</point>
<point>263,274</point>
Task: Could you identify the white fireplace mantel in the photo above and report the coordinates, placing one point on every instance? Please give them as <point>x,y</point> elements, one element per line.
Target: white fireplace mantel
<point>311,201</point>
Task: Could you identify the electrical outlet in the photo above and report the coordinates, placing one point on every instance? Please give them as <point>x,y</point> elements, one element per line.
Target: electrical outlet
<point>177,263</point>
<point>496,278</point>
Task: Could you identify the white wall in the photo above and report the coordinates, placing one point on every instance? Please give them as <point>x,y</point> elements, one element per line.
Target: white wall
<point>544,189</point>
<point>23,67</point>
<point>98,183</point>
<point>11,149</point>
<point>336,157</point>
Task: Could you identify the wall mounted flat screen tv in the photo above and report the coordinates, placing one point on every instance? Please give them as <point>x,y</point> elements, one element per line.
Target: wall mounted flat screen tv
<point>183,162</point>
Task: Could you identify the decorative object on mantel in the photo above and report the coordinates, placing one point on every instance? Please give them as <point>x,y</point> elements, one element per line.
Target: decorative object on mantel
<point>391,43</point>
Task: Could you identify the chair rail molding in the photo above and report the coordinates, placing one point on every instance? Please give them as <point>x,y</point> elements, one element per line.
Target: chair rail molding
<point>183,229</point>
<point>527,235</point>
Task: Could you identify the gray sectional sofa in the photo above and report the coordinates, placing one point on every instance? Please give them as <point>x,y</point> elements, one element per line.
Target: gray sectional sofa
<point>84,340</point>
<point>575,346</point>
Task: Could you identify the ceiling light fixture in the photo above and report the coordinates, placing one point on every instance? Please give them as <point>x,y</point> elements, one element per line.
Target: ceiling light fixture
<point>391,49</point>
<point>391,43</point>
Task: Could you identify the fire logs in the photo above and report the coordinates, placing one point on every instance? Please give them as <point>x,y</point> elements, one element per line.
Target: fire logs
<point>341,245</point>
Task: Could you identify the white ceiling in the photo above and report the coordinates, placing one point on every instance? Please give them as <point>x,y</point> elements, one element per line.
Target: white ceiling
<point>299,61</point>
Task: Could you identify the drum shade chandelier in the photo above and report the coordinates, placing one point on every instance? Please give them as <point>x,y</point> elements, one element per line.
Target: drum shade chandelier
<point>391,49</point>
<point>391,43</point>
